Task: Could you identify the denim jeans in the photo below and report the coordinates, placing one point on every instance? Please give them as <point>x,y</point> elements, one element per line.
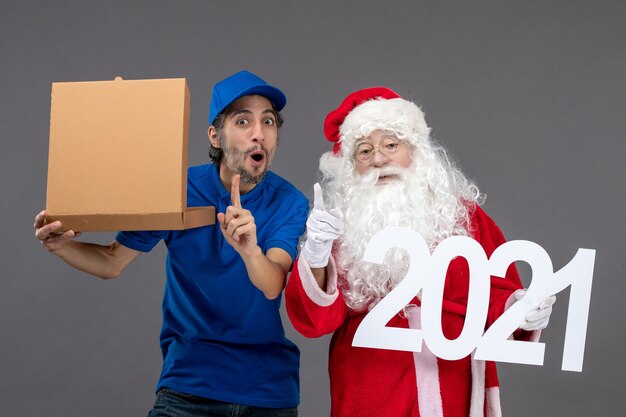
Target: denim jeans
<point>170,403</point>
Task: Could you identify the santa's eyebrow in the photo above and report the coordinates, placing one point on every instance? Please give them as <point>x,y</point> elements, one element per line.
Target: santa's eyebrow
<point>364,141</point>
<point>390,136</point>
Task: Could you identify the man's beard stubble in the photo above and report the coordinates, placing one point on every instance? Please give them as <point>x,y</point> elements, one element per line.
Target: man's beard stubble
<point>235,160</point>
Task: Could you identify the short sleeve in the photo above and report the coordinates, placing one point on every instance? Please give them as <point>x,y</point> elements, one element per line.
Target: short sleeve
<point>288,234</point>
<point>142,241</point>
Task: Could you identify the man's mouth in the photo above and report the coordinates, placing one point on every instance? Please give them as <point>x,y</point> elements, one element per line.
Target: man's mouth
<point>257,157</point>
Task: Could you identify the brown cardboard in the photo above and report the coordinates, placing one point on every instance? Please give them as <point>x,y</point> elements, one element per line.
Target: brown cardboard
<point>118,156</point>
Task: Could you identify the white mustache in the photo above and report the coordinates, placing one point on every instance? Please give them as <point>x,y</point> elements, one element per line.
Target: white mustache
<point>373,175</point>
<point>391,171</point>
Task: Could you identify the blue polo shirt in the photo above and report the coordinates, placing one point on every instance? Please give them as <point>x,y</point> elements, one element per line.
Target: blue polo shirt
<point>221,338</point>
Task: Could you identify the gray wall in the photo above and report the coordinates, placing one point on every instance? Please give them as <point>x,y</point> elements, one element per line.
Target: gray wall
<point>529,97</point>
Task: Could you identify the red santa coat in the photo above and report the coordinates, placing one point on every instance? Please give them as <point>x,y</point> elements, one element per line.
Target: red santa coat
<point>376,382</point>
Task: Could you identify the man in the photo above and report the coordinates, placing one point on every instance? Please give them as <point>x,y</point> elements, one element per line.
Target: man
<point>224,348</point>
<point>386,171</point>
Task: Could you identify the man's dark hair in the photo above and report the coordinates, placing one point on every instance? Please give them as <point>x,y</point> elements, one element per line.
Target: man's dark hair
<point>216,154</point>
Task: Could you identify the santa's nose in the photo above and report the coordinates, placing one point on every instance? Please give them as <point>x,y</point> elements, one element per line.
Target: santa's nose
<point>379,159</point>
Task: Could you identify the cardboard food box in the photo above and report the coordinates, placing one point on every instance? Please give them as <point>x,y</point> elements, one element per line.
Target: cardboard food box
<point>118,156</point>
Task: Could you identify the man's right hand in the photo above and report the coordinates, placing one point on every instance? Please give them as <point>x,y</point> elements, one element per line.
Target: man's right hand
<point>322,229</point>
<point>48,233</point>
<point>104,261</point>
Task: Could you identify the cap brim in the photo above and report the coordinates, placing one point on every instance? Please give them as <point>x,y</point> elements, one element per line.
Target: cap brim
<point>273,94</point>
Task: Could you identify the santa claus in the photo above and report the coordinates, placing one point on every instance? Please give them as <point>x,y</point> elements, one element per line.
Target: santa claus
<point>384,171</point>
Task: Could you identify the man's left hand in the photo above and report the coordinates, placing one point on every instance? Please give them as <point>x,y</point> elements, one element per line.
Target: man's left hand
<point>237,224</point>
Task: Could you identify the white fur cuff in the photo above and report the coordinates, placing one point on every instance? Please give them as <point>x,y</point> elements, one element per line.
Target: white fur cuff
<point>312,289</point>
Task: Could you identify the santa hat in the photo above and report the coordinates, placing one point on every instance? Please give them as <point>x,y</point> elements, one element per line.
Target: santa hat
<point>364,111</point>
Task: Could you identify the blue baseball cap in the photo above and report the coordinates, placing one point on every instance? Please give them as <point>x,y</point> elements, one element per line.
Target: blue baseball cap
<point>243,83</point>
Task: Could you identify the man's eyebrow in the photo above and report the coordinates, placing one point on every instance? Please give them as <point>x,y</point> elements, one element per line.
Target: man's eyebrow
<point>246,111</point>
<point>240,111</point>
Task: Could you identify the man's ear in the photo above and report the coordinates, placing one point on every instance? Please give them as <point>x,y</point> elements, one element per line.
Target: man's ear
<point>212,133</point>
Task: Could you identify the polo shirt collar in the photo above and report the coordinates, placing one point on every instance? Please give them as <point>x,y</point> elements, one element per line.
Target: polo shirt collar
<point>225,194</point>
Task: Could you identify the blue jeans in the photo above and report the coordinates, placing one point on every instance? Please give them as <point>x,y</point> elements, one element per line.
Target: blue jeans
<point>170,403</point>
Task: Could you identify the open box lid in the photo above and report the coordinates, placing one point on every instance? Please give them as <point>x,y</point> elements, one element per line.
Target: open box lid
<point>118,156</point>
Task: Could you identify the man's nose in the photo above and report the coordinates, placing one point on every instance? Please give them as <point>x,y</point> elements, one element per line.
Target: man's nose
<point>258,135</point>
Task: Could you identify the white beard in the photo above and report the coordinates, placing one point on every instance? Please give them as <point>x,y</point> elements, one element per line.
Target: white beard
<point>369,207</point>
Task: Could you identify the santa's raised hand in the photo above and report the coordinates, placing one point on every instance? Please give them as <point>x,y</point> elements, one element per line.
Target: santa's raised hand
<point>237,224</point>
<point>322,229</point>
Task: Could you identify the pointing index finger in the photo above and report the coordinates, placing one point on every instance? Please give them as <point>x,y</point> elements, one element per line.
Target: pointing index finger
<point>318,197</point>
<point>234,192</point>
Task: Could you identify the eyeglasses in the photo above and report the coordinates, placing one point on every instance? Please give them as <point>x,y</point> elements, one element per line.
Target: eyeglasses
<point>365,151</point>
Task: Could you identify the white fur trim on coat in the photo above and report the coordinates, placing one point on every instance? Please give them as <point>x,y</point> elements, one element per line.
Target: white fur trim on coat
<point>477,402</point>
<point>312,289</point>
<point>426,372</point>
<point>396,115</point>
<point>494,408</point>
<point>428,385</point>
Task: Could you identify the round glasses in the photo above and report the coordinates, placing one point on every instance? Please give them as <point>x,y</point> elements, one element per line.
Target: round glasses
<point>365,151</point>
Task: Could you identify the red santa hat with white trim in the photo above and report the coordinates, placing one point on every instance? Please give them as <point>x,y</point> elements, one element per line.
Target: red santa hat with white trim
<point>375,108</point>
